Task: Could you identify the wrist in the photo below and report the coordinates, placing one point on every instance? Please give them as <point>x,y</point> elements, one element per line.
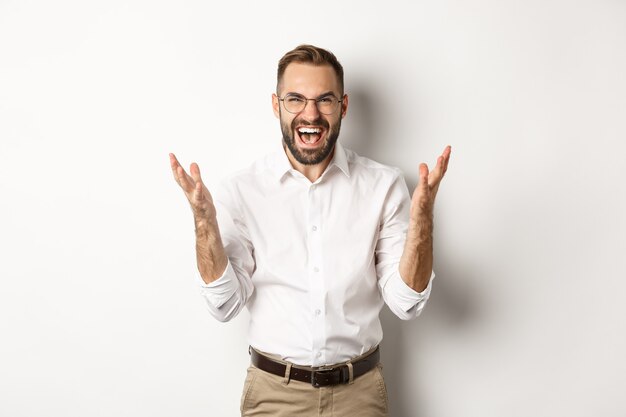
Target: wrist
<point>206,227</point>
<point>422,222</point>
<point>204,220</point>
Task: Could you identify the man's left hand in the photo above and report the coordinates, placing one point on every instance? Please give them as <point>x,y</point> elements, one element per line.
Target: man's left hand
<point>424,195</point>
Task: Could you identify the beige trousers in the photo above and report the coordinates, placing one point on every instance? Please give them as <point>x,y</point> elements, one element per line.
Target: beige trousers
<point>266,395</point>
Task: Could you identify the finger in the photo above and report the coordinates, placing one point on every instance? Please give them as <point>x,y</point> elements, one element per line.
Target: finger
<point>423,180</point>
<point>422,191</point>
<point>437,173</point>
<point>446,157</point>
<point>443,159</point>
<point>184,180</point>
<point>440,165</point>
<point>197,194</point>
<point>174,165</point>
<point>179,172</point>
<point>194,169</point>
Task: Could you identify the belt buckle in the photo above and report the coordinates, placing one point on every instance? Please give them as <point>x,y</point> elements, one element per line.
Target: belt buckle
<point>321,370</point>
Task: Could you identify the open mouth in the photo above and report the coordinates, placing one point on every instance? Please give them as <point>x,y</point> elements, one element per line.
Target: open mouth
<point>310,135</point>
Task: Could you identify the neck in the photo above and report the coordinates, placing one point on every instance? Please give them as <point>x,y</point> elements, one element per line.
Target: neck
<point>312,172</point>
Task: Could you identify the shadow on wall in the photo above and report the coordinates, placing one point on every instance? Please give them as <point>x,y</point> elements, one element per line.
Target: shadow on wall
<point>361,136</point>
<point>452,305</point>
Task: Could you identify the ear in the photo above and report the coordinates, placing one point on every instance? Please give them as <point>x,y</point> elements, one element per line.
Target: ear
<point>344,106</point>
<point>275,106</point>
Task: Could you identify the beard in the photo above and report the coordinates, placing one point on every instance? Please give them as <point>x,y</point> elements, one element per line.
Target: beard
<point>310,156</point>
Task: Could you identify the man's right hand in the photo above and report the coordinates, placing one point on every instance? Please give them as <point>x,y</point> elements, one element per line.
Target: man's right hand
<point>196,192</point>
<point>210,254</point>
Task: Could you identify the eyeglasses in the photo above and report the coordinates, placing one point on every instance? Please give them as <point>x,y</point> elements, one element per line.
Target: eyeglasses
<point>295,103</point>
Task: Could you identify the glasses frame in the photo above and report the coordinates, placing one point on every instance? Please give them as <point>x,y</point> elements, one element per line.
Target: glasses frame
<point>316,100</point>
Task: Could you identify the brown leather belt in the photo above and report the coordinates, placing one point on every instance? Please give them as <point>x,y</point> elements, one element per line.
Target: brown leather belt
<point>320,376</point>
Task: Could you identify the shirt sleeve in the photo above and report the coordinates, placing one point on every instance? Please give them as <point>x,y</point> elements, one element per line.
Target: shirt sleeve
<point>227,296</point>
<point>403,301</point>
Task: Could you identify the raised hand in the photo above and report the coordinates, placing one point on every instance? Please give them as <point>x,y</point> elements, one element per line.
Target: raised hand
<point>196,192</point>
<point>424,195</point>
<point>417,258</point>
<point>210,254</point>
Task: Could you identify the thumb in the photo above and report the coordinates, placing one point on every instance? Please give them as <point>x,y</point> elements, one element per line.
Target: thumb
<point>423,173</point>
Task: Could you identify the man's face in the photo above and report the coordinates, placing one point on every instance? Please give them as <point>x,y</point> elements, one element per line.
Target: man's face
<point>313,82</point>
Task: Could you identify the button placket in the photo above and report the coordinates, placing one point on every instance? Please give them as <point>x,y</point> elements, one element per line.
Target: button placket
<point>316,274</point>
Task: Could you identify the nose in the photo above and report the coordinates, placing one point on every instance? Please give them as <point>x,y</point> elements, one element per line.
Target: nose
<point>310,111</point>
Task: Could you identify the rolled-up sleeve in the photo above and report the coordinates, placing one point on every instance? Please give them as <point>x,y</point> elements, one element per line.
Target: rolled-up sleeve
<point>403,301</point>
<point>408,302</point>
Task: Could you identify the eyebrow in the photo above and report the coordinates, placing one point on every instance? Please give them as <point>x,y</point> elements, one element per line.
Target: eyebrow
<point>327,93</point>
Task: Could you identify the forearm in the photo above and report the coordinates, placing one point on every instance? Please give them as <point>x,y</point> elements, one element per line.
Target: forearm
<point>210,255</point>
<point>416,263</point>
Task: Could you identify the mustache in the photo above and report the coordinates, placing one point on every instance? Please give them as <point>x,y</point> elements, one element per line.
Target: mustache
<point>317,122</point>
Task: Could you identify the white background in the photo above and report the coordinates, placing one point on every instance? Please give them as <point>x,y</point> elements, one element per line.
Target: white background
<point>99,310</point>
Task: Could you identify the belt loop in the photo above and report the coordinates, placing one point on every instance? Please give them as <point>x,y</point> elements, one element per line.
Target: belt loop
<point>287,374</point>
<point>350,373</point>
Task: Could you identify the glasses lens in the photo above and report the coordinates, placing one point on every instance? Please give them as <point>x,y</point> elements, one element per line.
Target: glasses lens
<point>327,105</point>
<point>294,104</point>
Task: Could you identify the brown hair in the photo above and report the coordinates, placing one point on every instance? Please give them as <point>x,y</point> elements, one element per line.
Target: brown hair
<point>309,54</point>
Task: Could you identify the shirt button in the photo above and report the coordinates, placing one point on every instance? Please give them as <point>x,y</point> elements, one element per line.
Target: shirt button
<point>316,269</point>
<point>314,228</point>
<point>318,354</point>
<point>318,312</point>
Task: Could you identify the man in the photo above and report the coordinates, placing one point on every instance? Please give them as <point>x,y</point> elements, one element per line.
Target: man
<point>313,239</point>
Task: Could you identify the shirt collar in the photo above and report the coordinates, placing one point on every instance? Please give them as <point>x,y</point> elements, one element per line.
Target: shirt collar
<point>340,159</point>
<point>281,164</point>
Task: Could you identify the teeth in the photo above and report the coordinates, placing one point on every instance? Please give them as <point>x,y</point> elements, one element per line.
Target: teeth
<point>309,130</point>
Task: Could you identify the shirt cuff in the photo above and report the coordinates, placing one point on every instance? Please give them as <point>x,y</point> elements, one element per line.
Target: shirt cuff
<point>407,297</point>
<point>220,290</point>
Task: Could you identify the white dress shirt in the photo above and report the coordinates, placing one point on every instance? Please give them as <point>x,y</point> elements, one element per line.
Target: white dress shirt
<point>313,262</point>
